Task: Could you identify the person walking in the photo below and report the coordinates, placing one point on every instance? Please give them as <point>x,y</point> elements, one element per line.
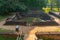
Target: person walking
<point>17,32</point>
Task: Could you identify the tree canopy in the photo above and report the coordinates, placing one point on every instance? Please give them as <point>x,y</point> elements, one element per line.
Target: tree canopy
<point>7,6</point>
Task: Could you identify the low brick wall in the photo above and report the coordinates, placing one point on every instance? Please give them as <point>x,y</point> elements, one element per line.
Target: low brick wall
<point>15,23</point>
<point>52,13</point>
<point>47,23</point>
<point>8,34</point>
<point>52,35</point>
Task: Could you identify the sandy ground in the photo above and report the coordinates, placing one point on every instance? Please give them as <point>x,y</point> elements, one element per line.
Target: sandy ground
<point>31,30</point>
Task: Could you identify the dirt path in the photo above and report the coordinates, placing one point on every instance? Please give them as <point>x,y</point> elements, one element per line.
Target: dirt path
<point>30,31</point>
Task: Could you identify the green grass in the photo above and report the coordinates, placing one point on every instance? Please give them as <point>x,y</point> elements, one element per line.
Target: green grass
<point>4,30</point>
<point>29,19</point>
<point>2,17</point>
<point>2,37</point>
<point>6,38</point>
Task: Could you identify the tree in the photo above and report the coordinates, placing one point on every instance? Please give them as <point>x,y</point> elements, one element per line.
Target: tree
<point>7,6</point>
<point>58,4</point>
<point>35,4</point>
<point>11,6</point>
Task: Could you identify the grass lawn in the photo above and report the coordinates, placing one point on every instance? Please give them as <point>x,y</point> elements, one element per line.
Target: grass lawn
<point>2,37</point>
<point>2,17</point>
<point>30,20</point>
<point>6,38</point>
<point>33,19</point>
<point>4,30</point>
